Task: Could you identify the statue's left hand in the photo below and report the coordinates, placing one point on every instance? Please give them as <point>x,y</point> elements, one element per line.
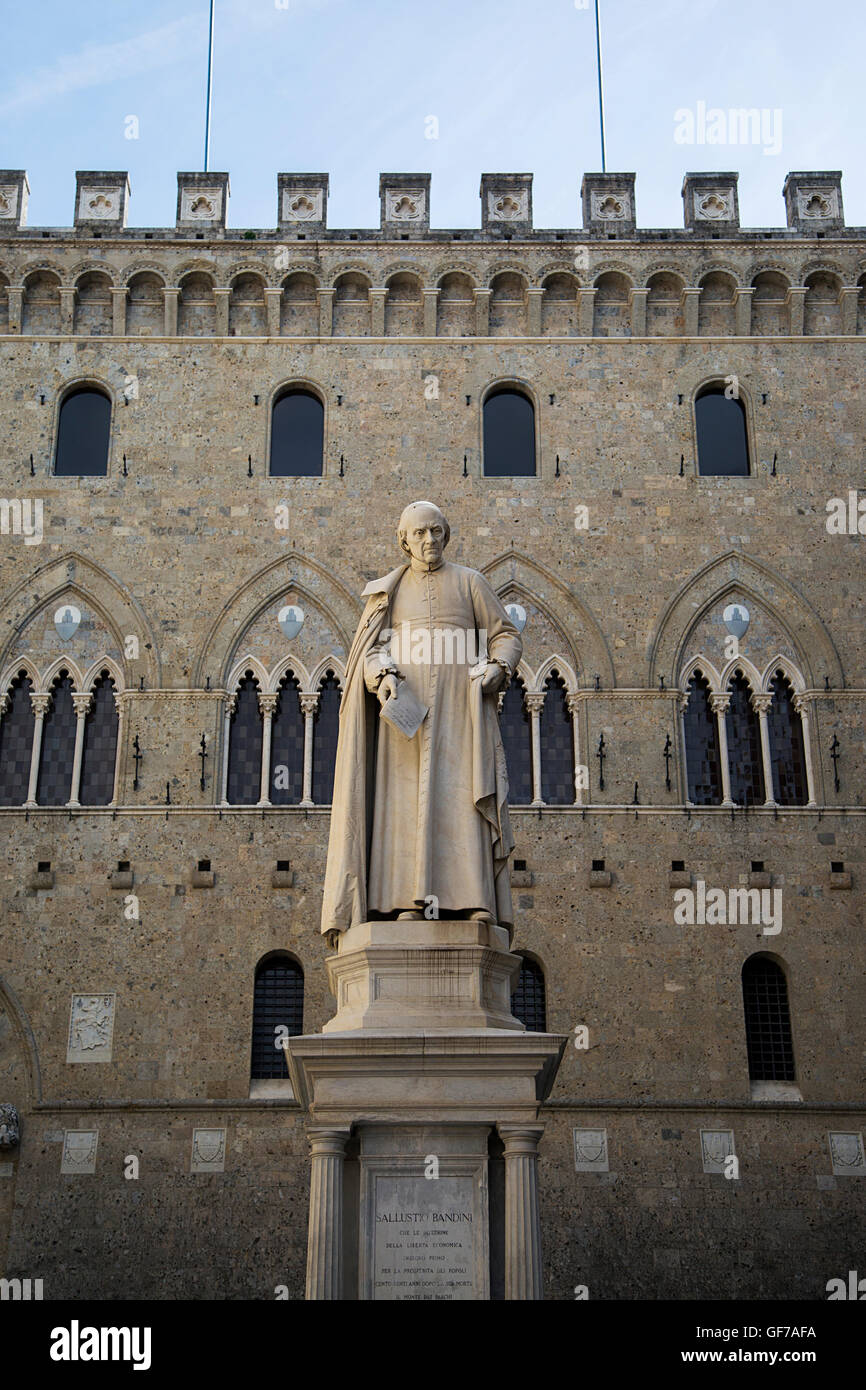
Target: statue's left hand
<point>493,678</point>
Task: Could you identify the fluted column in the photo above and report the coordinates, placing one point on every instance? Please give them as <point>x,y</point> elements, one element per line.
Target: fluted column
<point>170,297</point>
<point>325,1236</point>
<point>482,313</point>
<point>326,312</point>
<point>523,1279</point>
<point>682,706</point>
<point>573,704</point>
<point>81,704</point>
<point>719,705</point>
<point>267,706</point>
<point>230,707</point>
<point>431,302</point>
<point>535,704</point>
<point>802,705</point>
<point>39,704</point>
<point>118,311</point>
<point>761,705</point>
<point>309,705</point>
<point>689,301</point>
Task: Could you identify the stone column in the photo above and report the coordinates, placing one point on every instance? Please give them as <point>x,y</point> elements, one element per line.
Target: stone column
<point>802,704</point>
<point>848,296</point>
<point>535,703</point>
<point>482,313</point>
<point>689,301</point>
<point>81,704</point>
<point>761,705</point>
<point>39,704</point>
<point>273,301</point>
<point>637,303</point>
<point>267,706</point>
<point>796,303</point>
<point>522,1225</point>
<point>534,300</point>
<point>743,312</point>
<point>120,702</point>
<point>719,705</point>
<point>326,312</point>
<point>431,305</point>
<point>682,706</point>
<point>230,707</point>
<point>170,299</point>
<point>118,311</point>
<point>586,312</point>
<point>309,705</point>
<point>15,295</point>
<point>221,302</point>
<point>573,704</point>
<point>378,295</point>
<point>67,309</point>
<point>325,1236</point>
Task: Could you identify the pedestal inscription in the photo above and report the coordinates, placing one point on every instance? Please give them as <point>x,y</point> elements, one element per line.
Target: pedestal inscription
<point>425,1239</point>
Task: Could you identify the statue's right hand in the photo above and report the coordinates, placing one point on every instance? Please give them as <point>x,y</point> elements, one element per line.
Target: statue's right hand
<point>387,688</point>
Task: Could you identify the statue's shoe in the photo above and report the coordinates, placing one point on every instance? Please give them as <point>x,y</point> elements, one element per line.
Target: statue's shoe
<point>481,916</point>
<point>410,916</point>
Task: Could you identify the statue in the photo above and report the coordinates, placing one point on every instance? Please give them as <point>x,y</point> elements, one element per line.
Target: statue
<point>420,823</point>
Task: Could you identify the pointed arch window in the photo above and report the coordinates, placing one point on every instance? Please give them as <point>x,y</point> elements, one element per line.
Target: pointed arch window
<point>509,434</point>
<point>768,1020</point>
<point>287,745</point>
<point>83,434</point>
<point>325,730</point>
<point>722,438</point>
<point>787,750</point>
<point>245,745</point>
<point>514,726</point>
<point>703,770</point>
<point>745,758</point>
<point>529,1002</point>
<point>99,757</point>
<point>278,1012</point>
<point>16,742</point>
<point>56,756</point>
<point>557,744</point>
<point>297,434</point>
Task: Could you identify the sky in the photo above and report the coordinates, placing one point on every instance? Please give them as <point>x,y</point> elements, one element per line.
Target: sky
<point>450,87</point>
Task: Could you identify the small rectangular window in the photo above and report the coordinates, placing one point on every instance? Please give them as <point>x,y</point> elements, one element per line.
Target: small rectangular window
<point>520,865</point>
<point>123,866</point>
<point>282,866</point>
<point>44,866</point>
<point>598,866</point>
<point>757,866</point>
<point>204,866</point>
<point>678,866</point>
<point>837,866</point>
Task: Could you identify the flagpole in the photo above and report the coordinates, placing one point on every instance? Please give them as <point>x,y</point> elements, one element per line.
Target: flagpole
<point>209,88</point>
<point>600,86</point>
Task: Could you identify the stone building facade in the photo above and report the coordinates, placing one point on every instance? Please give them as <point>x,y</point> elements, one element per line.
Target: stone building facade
<point>137,908</point>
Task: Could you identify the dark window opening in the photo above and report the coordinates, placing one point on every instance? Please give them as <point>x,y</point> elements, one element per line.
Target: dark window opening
<point>297,435</point>
<point>509,435</point>
<point>278,1012</point>
<point>723,449</point>
<point>744,746</point>
<point>703,769</point>
<point>768,1021</point>
<point>516,740</point>
<point>83,435</point>
<point>528,1002</point>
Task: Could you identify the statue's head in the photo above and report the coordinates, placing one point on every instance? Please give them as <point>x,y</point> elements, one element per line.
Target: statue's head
<point>423,532</point>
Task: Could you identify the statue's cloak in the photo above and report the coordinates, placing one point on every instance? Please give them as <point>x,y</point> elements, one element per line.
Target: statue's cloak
<point>345,901</point>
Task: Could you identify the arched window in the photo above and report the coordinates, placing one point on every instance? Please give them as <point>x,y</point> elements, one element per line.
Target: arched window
<point>16,742</point>
<point>54,785</point>
<point>768,1020</point>
<point>83,434</point>
<point>787,752</point>
<point>528,1002</point>
<point>516,738</point>
<point>703,770</point>
<point>509,434</point>
<point>325,730</point>
<point>99,754</point>
<point>287,745</point>
<point>297,435</point>
<point>278,1011</point>
<point>245,745</point>
<point>744,746</point>
<point>557,744</point>
<point>720,422</point>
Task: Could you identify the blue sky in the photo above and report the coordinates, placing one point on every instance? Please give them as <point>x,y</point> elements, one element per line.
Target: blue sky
<point>346,86</point>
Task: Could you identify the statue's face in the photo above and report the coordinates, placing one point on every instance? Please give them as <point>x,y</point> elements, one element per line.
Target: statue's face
<point>425,535</point>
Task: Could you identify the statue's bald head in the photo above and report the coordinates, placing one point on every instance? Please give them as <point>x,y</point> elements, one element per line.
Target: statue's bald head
<point>415,521</point>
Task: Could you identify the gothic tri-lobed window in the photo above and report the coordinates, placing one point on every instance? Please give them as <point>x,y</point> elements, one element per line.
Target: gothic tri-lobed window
<point>720,422</point>
<point>99,754</point>
<point>325,730</point>
<point>83,434</point>
<point>56,756</point>
<point>528,1002</point>
<point>297,434</point>
<point>744,746</point>
<point>787,752</point>
<point>516,739</point>
<point>245,745</point>
<point>703,769</point>
<point>509,434</point>
<point>557,744</point>
<point>278,1012</point>
<point>287,745</point>
<point>768,1020</point>
<point>16,742</point>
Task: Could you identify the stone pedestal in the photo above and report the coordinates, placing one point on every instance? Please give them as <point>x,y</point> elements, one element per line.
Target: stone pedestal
<point>422,1064</point>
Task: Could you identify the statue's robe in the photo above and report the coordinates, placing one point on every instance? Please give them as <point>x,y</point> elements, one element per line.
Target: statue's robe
<point>422,818</point>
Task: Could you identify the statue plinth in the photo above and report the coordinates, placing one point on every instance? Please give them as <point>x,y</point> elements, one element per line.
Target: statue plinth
<point>432,976</point>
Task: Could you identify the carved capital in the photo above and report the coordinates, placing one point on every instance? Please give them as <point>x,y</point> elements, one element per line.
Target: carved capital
<point>534,701</point>
<point>81,703</point>
<point>761,702</point>
<point>268,703</point>
<point>40,705</point>
<point>719,703</point>
<point>309,703</point>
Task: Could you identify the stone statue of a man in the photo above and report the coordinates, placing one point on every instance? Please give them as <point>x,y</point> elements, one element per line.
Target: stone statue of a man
<point>420,824</point>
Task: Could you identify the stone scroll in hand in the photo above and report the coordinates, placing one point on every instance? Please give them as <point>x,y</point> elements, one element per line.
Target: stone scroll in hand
<point>404,711</point>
